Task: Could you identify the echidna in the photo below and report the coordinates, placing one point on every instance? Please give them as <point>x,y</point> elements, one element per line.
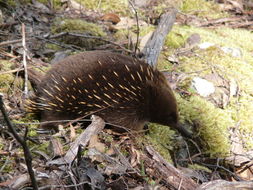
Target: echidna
<point>122,90</point>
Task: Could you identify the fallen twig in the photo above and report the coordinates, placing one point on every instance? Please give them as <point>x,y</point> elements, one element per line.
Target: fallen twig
<point>222,184</point>
<point>22,141</point>
<point>10,42</point>
<point>24,60</point>
<point>166,172</point>
<point>94,128</point>
<point>138,27</point>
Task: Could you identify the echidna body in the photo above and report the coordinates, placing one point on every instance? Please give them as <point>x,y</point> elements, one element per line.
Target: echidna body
<point>122,90</point>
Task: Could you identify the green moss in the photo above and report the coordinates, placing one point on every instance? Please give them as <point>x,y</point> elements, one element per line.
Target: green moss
<point>108,138</point>
<point>53,47</point>
<point>199,167</point>
<point>8,81</point>
<point>8,164</point>
<point>241,110</point>
<point>32,128</point>
<point>25,1</point>
<point>124,34</point>
<point>144,30</point>
<point>107,6</point>
<point>177,36</point>
<point>207,59</point>
<point>79,26</point>
<point>32,133</point>
<point>5,65</point>
<point>66,148</point>
<point>5,79</point>
<point>202,8</point>
<point>229,67</point>
<point>161,7</point>
<point>174,40</point>
<point>222,36</point>
<point>10,3</point>
<point>123,151</point>
<point>14,3</point>
<point>163,65</point>
<point>235,37</point>
<point>43,1</point>
<point>55,3</point>
<point>212,123</point>
<point>158,8</point>
<point>161,137</point>
<point>43,147</point>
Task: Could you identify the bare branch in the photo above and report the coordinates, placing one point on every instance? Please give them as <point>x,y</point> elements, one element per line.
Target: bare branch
<point>154,46</point>
<point>138,26</point>
<point>24,60</point>
<point>22,141</point>
<point>222,184</point>
<point>94,128</point>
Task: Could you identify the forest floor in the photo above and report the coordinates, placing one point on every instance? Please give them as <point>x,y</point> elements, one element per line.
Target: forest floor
<point>207,58</point>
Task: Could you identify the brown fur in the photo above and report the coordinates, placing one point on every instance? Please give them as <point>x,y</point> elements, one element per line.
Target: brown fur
<point>122,90</point>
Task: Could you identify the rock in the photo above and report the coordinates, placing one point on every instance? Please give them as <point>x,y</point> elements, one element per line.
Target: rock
<point>205,45</point>
<point>235,52</point>
<point>203,87</point>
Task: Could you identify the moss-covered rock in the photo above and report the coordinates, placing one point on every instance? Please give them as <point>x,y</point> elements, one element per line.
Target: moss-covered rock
<point>162,138</point>
<point>107,6</point>
<point>14,3</point>
<point>201,8</point>
<point>213,123</point>
<point>80,27</point>
<point>55,3</point>
<point>5,79</point>
<point>177,37</point>
<point>241,109</point>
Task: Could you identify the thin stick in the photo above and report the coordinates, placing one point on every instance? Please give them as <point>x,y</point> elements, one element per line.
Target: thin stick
<point>10,42</point>
<point>138,27</point>
<point>24,60</point>
<point>22,141</point>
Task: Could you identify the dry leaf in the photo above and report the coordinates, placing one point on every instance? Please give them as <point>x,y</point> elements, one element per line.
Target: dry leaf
<point>72,133</point>
<point>56,147</point>
<point>111,17</point>
<point>126,23</point>
<point>95,143</point>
